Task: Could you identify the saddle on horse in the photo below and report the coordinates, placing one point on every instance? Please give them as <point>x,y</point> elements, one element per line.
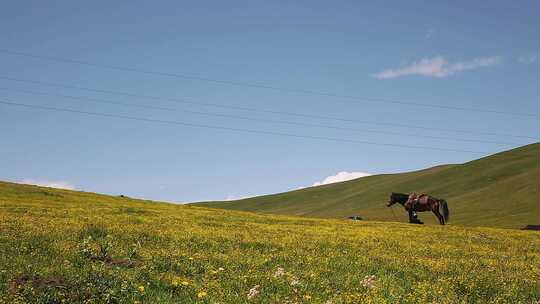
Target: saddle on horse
<point>415,198</point>
<point>411,203</point>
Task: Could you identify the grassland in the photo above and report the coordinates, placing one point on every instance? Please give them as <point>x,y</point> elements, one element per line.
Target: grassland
<point>502,190</point>
<point>59,246</point>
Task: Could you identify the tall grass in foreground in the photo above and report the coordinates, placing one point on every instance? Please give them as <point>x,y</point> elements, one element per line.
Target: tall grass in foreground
<point>70,247</point>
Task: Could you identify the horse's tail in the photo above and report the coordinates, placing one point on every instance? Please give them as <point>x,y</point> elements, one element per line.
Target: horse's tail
<point>445,212</point>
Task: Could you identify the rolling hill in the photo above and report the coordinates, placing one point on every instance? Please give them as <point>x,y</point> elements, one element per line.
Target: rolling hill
<point>60,246</point>
<point>502,190</point>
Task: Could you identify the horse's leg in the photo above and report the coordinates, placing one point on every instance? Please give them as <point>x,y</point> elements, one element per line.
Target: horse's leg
<point>438,215</point>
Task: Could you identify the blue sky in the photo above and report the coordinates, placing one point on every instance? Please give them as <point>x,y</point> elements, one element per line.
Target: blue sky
<point>460,54</point>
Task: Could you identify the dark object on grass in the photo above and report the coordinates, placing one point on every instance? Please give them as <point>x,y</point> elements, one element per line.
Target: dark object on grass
<point>531,227</point>
<point>355,218</point>
<point>415,220</point>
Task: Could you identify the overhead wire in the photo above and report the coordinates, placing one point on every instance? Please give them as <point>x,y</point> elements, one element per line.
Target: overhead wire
<point>257,110</point>
<point>242,130</point>
<point>168,109</point>
<point>265,86</point>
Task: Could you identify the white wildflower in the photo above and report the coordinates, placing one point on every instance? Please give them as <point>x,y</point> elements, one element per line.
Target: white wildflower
<point>279,272</point>
<point>253,292</point>
<point>294,282</point>
<point>369,281</point>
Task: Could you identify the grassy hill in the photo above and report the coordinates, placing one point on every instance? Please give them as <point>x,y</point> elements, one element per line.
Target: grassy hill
<point>59,246</point>
<point>502,190</point>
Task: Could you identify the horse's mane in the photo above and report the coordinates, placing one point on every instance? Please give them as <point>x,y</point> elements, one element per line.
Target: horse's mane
<point>398,195</point>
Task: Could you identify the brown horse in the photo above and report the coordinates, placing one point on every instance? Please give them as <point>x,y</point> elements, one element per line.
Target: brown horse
<point>421,202</point>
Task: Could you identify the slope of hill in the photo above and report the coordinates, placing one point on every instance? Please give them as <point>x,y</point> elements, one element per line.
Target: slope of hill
<point>502,190</point>
<point>59,246</point>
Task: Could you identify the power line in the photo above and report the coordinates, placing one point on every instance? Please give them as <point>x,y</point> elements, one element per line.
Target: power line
<point>251,118</point>
<point>171,122</point>
<point>264,86</point>
<point>256,110</point>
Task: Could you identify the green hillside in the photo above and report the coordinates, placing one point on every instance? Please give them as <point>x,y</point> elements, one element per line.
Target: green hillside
<point>59,246</point>
<point>502,190</point>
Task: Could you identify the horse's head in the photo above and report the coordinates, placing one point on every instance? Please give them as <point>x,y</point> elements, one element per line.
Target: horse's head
<point>396,197</point>
<point>391,200</point>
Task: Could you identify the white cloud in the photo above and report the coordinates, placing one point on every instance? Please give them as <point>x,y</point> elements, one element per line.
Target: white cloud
<point>341,177</point>
<point>50,184</point>
<point>529,58</point>
<point>437,67</point>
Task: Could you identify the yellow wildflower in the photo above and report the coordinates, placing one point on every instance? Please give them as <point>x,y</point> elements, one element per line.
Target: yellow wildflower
<point>201,294</point>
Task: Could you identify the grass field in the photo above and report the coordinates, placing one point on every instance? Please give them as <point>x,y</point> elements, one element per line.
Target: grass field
<point>501,190</point>
<point>59,246</point>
